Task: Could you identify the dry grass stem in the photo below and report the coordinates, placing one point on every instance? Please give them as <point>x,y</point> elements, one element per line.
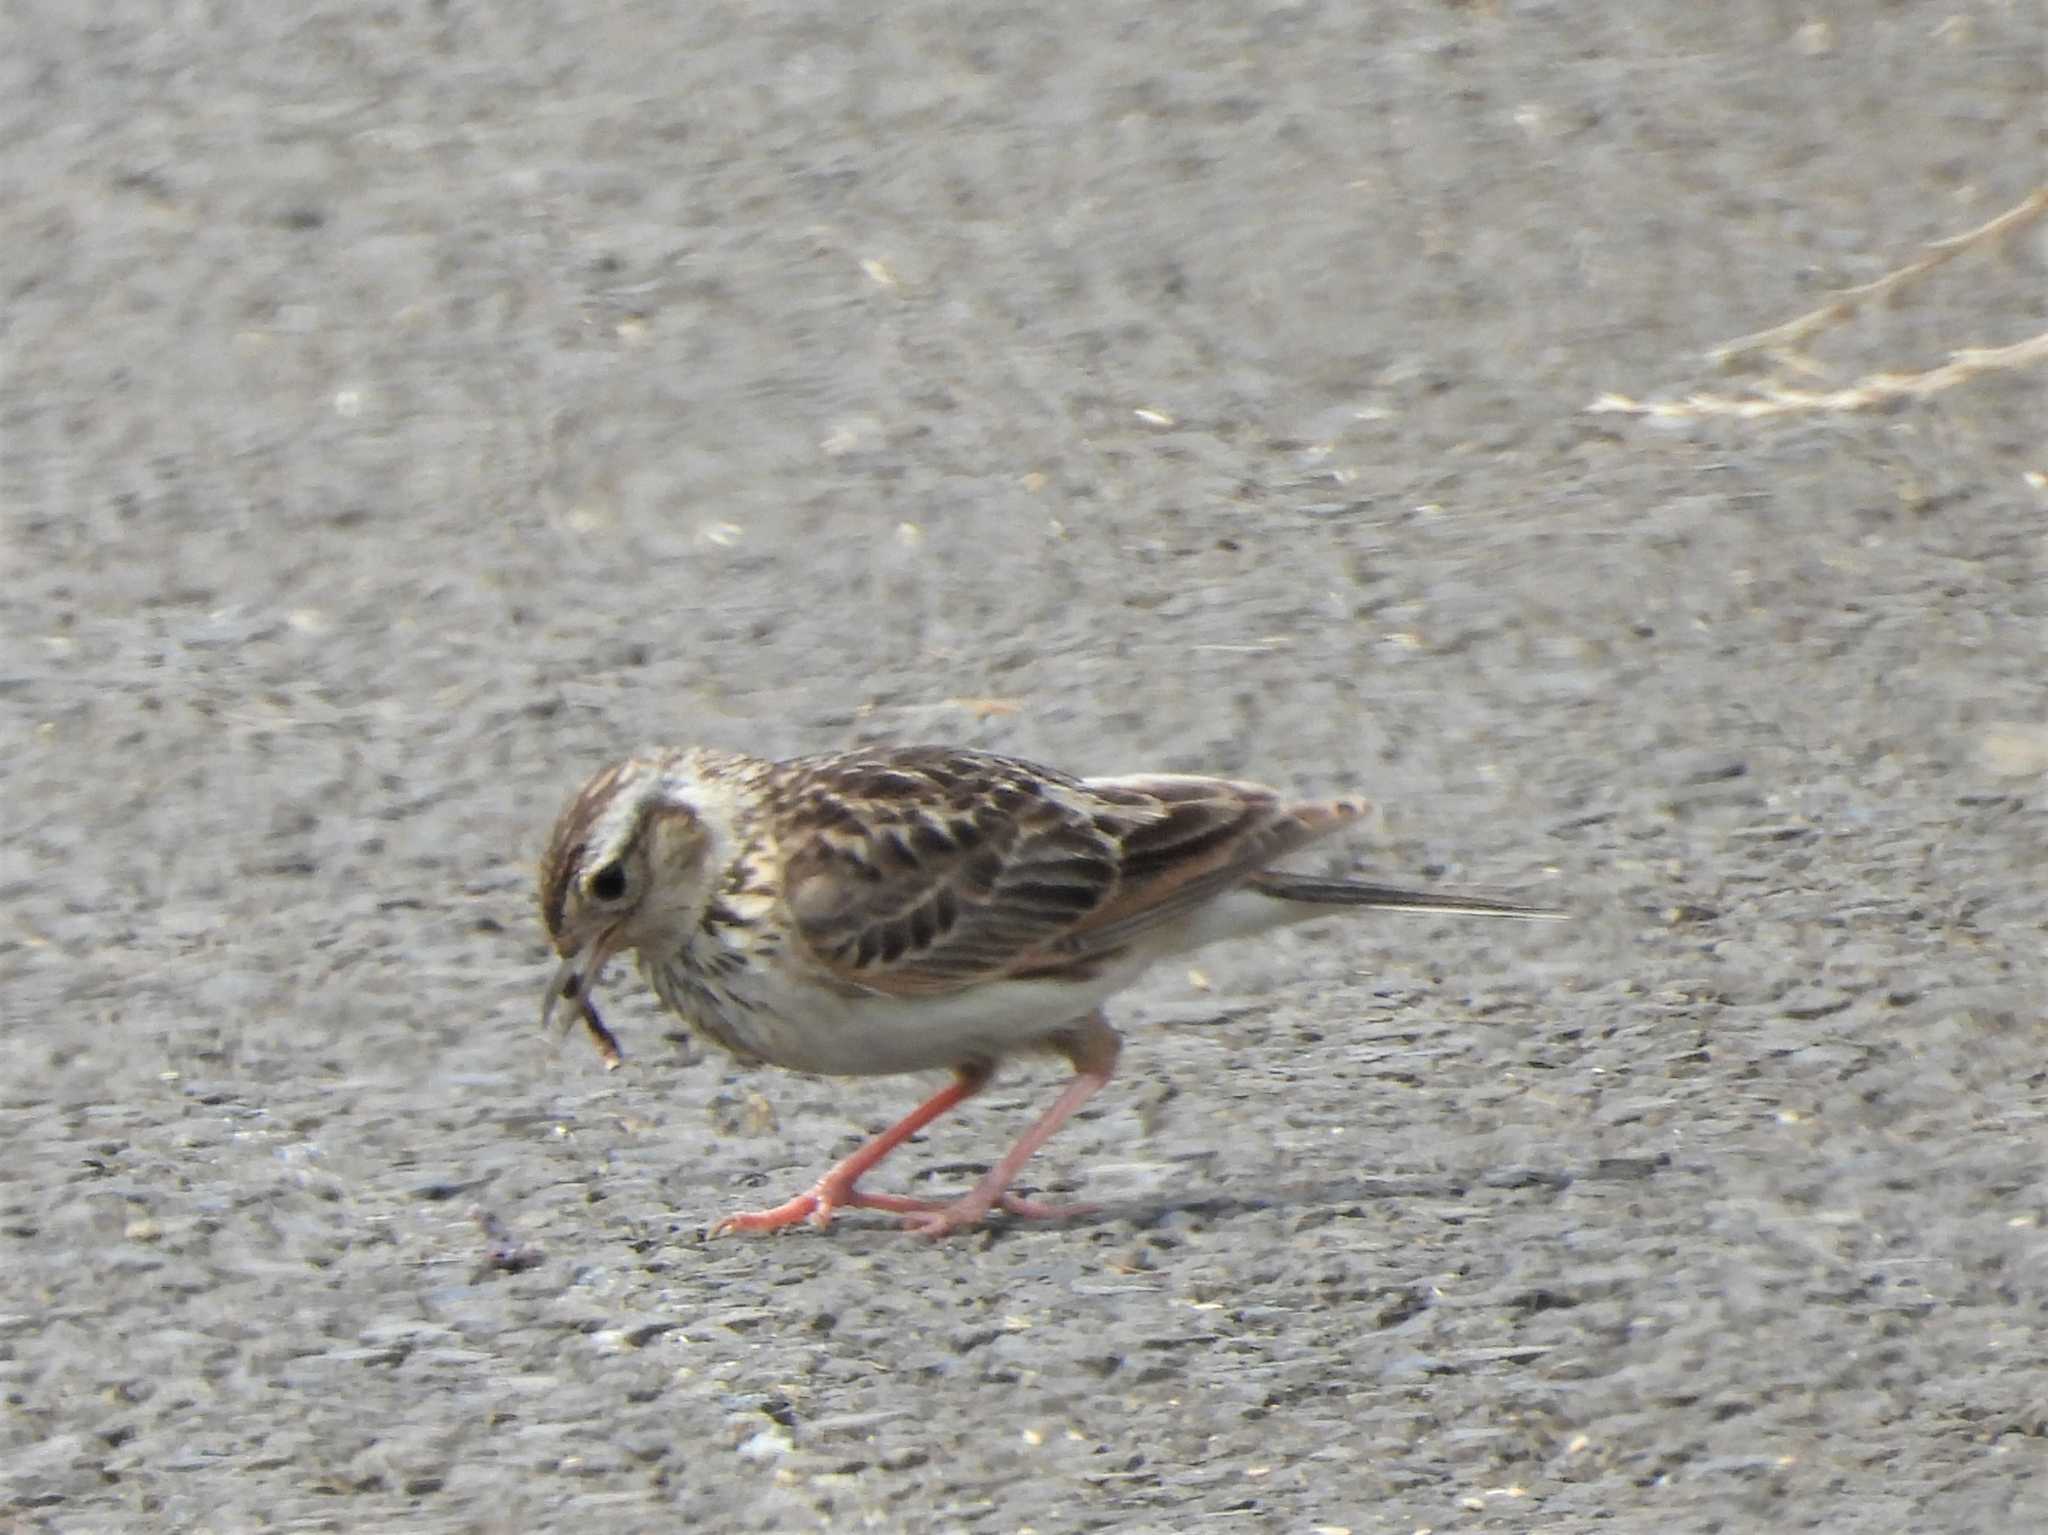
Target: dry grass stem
<point>1779,344</point>
<point>1877,389</point>
<point>1844,305</point>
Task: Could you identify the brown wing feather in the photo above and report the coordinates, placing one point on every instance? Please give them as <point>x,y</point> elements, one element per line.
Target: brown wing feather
<point>924,871</point>
<point>929,869</point>
<point>1214,833</point>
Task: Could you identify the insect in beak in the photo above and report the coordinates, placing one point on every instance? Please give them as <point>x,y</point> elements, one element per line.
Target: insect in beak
<point>573,981</point>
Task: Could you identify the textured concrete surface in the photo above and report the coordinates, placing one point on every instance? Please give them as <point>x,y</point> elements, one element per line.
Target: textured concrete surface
<point>406,409</point>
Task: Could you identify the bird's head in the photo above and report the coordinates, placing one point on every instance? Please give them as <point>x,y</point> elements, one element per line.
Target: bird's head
<point>627,866</point>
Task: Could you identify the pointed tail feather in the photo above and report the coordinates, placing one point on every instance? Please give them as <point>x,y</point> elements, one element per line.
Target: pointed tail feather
<point>1352,892</point>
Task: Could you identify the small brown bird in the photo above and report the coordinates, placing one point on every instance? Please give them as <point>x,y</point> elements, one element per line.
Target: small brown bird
<point>896,910</point>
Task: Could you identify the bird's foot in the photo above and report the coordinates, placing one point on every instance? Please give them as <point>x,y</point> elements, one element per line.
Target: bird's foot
<point>926,1217</point>
<point>936,1218</point>
<point>816,1205</point>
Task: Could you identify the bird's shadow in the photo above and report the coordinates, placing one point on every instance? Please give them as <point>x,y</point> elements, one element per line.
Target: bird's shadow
<point>1330,1198</point>
<point>1356,1193</point>
<point>1335,1196</point>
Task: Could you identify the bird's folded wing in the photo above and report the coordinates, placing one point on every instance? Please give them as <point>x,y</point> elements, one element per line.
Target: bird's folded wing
<point>935,886</point>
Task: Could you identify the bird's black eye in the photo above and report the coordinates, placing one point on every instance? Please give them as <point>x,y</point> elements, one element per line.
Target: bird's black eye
<point>609,883</point>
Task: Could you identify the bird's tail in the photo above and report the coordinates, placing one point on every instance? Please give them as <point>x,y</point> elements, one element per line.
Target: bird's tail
<point>1310,890</point>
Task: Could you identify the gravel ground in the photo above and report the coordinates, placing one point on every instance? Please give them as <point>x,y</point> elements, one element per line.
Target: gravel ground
<point>407,409</point>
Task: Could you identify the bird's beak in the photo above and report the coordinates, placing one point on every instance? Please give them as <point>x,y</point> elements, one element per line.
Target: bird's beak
<point>573,981</point>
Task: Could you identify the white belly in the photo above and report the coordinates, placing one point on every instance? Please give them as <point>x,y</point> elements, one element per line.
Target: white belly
<point>761,1009</point>
<point>805,1029</point>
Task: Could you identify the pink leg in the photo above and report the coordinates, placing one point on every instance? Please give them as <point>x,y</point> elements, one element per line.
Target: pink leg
<point>836,1189</point>
<point>1093,1049</point>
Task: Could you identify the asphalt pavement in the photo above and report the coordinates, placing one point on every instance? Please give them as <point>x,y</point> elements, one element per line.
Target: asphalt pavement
<point>404,410</point>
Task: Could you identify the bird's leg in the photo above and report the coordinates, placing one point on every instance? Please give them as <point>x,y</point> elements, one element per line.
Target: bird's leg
<point>1093,1049</point>
<point>836,1189</point>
